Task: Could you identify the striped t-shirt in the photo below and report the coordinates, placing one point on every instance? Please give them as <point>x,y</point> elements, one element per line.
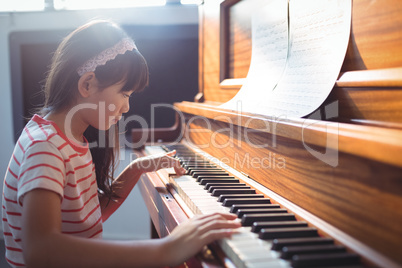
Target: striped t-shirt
<point>44,158</point>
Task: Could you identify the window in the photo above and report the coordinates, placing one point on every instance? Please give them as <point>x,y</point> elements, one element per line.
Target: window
<point>40,5</point>
<point>95,4</point>
<point>22,5</point>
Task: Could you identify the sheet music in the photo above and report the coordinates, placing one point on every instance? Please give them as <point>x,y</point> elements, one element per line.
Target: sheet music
<point>296,85</point>
<point>270,37</point>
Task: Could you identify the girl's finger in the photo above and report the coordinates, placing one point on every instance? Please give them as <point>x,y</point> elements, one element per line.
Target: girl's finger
<point>171,153</point>
<point>179,170</point>
<point>219,225</point>
<point>216,234</point>
<point>216,215</point>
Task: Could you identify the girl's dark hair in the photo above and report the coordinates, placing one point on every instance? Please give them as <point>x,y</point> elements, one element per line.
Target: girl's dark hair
<point>62,81</point>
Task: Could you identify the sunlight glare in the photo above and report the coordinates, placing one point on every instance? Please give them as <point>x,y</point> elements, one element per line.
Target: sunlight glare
<point>190,2</point>
<point>22,5</point>
<point>95,4</point>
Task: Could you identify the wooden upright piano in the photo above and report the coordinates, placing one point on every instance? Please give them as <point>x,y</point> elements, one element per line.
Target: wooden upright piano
<point>355,204</point>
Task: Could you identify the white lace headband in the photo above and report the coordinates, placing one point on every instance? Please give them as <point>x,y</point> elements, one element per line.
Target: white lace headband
<point>125,44</point>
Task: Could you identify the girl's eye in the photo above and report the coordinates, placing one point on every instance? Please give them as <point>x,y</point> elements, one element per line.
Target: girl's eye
<point>126,96</point>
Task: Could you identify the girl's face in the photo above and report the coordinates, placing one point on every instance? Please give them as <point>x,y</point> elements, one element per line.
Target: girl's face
<point>107,106</point>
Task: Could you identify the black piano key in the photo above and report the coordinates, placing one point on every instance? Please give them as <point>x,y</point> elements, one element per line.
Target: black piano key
<point>236,207</point>
<point>345,266</point>
<point>198,163</point>
<point>209,173</point>
<point>222,187</point>
<point>231,201</point>
<point>219,192</point>
<point>220,180</point>
<point>192,162</point>
<point>175,146</point>
<point>257,226</point>
<point>222,198</point>
<point>293,232</point>
<point>189,171</point>
<point>186,160</point>
<point>278,244</point>
<point>209,185</point>
<point>192,171</point>
<point>249,219</point>
<point>186,154</point>
<point>242,212</point>
<point>215,177</point>
<point>202,166</point>
<point>325,260</point>
<point>192,158</point>
<point>178,148</point>
<point>187,164</point>
<point>289,252</point>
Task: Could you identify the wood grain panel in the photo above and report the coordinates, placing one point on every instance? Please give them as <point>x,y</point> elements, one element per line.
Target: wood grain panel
<point>368,104</point>
<point>211,54</point>
<point>165,213</point>
<point>376,37</point>
<point>239,39</point>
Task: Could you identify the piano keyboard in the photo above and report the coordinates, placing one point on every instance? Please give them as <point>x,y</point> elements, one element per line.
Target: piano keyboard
<point>269,236</point>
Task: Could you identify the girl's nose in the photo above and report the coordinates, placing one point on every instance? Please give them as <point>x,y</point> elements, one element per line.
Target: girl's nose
<point>126,106</point>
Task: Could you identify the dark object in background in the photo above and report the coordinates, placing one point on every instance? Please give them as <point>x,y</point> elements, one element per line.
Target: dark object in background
<point>170,50</point>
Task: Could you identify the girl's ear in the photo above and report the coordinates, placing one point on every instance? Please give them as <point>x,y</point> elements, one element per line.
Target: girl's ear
<point>87,84</point>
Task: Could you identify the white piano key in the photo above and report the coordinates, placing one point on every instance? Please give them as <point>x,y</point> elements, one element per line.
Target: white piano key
<point>268,264</point>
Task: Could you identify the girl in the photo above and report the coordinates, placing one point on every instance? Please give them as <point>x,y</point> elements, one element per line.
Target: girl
<point>59,186</point>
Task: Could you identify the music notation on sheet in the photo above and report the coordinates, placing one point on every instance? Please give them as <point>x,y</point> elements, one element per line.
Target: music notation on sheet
<point>298,48</point>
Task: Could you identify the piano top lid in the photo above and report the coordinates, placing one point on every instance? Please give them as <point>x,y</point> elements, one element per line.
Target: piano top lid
<point>373,142</point>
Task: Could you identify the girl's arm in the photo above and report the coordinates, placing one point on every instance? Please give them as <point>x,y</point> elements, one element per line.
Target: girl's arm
<point>44,245</point>
<point>129,177</point>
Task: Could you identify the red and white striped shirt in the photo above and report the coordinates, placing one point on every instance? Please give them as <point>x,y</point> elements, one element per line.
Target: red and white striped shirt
<point>44,158</point>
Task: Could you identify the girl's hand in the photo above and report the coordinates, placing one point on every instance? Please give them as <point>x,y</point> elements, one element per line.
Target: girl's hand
<point>159,161</point>
<point>187,239</point>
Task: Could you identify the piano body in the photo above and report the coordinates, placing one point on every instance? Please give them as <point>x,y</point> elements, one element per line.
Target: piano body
<point>357,201</point>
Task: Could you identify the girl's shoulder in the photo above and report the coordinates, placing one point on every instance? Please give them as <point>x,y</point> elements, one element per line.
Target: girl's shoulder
<point>42,133</point>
